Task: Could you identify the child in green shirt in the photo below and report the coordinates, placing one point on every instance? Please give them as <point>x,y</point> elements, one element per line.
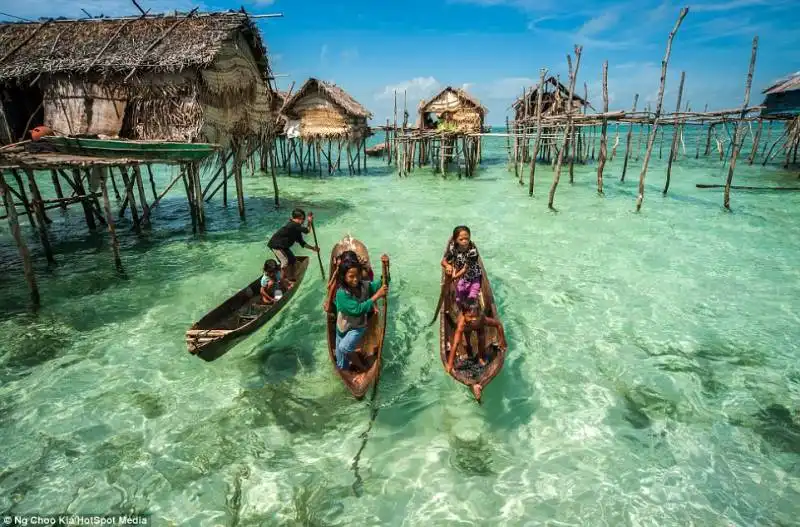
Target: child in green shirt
<point>355,300</point>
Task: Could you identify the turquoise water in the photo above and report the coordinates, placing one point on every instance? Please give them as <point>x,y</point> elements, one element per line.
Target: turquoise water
<point>652,375</point>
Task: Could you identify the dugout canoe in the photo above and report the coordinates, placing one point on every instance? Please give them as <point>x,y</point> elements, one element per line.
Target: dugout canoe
<point>370,349</point>
<point>226,325</point>
<point>469,372</point>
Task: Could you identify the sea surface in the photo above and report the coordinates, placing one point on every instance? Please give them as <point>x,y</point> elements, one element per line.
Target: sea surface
<point>652,377</point>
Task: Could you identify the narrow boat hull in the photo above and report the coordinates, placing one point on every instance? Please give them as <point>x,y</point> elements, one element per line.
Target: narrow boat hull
<point>469,372</point>
<point>117,148</point>
<point>358,382</point>
<point>226,325</point>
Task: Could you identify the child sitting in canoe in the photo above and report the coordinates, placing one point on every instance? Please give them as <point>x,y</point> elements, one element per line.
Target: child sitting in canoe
<point>272,282</point>
<point>354,302</point>
<point>283,239</point>
<point>472,319</point>
<point>460,262</point>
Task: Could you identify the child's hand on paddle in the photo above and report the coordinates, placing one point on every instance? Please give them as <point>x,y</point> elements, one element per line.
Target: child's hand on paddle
<point>310,218</point>
<point>385,258</point>
<point>381,293</point>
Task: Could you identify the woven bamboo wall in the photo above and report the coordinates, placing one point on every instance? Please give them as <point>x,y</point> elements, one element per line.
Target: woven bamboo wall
<point>75,106</point>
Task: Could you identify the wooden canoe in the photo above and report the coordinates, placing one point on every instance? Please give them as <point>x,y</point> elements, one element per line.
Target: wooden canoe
<point>223,327</point>
<point>371,348</point>
<point>121,148</point>
<point>469,372</point>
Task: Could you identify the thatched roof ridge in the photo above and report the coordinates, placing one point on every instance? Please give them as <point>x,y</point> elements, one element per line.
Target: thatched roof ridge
<point>532,92</point>
<point>117,45</point>
<point>336,94</point>
<point>789,83</point>
<point>461,94</point>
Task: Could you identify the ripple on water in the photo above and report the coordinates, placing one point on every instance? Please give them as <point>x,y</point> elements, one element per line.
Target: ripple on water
<point>650,379</point>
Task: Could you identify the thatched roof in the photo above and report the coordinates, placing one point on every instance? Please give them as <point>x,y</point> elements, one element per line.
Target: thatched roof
<point>532,94</point>
<point>332,92</point>
<point>463,95</point>
<point>790,83</point>
<point>164,43</point>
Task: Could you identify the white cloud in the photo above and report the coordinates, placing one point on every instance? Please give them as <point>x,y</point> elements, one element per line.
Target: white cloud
<point>263,3</point>
<point>599,24</point>
<point>467,86</point>
<point>323,53</point>
<point>416,88</point>
<point>730,6</point>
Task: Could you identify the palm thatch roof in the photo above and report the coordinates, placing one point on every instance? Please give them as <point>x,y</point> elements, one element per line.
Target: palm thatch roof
<point>332,92</point>
<point>463,95</point>
<point>163,43</point>
<point>532,94</point>
<point>786,84</point>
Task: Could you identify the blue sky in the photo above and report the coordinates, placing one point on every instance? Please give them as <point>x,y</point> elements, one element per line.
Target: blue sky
<point>495,47</point>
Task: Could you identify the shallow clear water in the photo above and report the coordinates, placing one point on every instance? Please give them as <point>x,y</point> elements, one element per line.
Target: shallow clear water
<point>652,376</point>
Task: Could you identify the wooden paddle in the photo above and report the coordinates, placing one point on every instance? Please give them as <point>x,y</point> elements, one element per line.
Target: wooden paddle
<point>442,292</point>
<point>316,244</point>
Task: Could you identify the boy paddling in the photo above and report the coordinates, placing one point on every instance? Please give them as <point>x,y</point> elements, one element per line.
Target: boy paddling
<point>291,233</point>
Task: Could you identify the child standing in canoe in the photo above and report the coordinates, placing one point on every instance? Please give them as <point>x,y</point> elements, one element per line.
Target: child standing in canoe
<point>291,233</point>
<point>461,263</point>
<point>472,319</point>
<point>354,302</point>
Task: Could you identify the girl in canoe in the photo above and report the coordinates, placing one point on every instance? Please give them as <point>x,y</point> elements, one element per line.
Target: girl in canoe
<point>460,262</point>
<point>472,319</point>
<point>354,302</point>
<point>272,282</point>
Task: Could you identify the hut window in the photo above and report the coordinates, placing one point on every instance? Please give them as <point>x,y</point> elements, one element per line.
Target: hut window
<point>19,103</point>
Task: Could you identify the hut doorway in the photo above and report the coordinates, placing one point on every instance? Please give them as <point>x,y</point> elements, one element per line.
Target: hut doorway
<point>24,109</point>
<point>431,120</point>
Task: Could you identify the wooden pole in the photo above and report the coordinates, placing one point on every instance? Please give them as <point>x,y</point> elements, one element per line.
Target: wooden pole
<point>651,138</point>
<point>23,197</point>
<point>736,143</point>
<point>112,231</point>
<point>574,74</point>
<point>197,194</point>
<point>756,139</point>
<point>537,141</point>
<point>152,181</point>
<point>769,135</point>
<point>237,178</point>
<point>697,141</point>
<point>25,255</point>
<point>137,173</point>
<point>275,187</point>
<point>188,188</point>
<point>131,200</point>
<point>708,138</point>
<point>57,187</point>
<point>603,131</point>
<point>675,134</point>
<point>38,209</point>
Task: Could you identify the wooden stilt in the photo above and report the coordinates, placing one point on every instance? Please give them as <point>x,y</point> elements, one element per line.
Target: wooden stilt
<point>573,75</point>
<point>25,255</point>
<point>708,138</point>
<point>673,148</point>
<point>197,194</point>
<point>769,136</point>
<point>131,200</point>
<point>87,211</point>
<point>238,162</point>
<point>537,141</point>
<point>57,187</point>
<point>137,173</point>
<point>114,185</point>
<point>275,187</point>
<point>603,139</point>
<point>189,199</point>
<point>38,209</point>
<point>23,197</point>
<point>652,138</point>
<point>112,230</point>
<point>152,180</point>
<point>736,144</point>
